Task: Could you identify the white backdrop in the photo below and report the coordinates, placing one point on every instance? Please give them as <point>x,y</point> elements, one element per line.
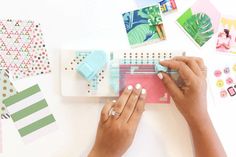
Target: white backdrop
<point>97,24</point>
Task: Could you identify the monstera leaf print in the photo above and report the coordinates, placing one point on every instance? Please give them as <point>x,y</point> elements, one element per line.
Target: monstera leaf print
<point>199,27</point>
<point>141,33</point>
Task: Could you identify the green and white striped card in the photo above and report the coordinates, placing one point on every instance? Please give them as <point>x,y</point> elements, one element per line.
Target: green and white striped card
<point>30,113</point>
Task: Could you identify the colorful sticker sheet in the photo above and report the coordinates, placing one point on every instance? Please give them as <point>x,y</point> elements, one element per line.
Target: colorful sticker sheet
<point>133,74</point>
<point>22,48</point>
<point>144,25</point>
<point>226,36</point>
<point>6,90</point>
<point>166,5</point>
<point>223,83</point>
<point>30,113</point>
<point>200,23</point>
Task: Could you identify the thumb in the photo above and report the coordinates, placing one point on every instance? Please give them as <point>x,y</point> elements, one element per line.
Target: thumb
<point>170,85</point>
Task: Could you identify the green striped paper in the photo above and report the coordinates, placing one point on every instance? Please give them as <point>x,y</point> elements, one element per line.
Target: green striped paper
<point>29,111</point>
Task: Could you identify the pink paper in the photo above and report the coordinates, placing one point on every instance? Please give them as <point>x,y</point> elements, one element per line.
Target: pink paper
<point>205,6</point>
<point>156,92</point>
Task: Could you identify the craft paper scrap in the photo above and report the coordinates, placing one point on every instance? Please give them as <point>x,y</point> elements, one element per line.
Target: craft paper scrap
<point>156,92</point>
<point>22,48</point>
<point>166,5</point>
<point>6,90</point>
<point>226,36</point>
<point>144,25</point>
<point>223,83</point>
<point>30,113</point>
<point>1,136</point>
<point>200,21</point>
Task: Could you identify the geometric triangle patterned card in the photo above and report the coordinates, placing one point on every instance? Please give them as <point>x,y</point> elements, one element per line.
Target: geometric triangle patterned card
<point>22,48</point>
<point>7,90</point>
<point>30,113</point>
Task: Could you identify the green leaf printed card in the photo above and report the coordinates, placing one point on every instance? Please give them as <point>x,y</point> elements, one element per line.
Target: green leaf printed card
<point>200,22</point>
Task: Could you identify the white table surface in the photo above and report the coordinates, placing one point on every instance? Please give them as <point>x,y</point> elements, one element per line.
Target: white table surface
<point>88,24</point>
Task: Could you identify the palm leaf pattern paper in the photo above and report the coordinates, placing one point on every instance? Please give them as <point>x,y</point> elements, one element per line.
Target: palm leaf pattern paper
<point>140,24</point>
<point>199,27</point>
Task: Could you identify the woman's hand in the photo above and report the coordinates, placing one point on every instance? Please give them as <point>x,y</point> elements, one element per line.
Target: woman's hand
<point>190,99</point>
<point>118,123</point>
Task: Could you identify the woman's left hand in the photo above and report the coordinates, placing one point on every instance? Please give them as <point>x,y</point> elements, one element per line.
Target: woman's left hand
<point>118,123</point>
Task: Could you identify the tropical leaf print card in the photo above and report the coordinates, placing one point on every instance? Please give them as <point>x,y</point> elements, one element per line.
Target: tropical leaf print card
<point>166,5</point>
<point>144,25</point>
<point>226,36</point>
<point>200,21</point>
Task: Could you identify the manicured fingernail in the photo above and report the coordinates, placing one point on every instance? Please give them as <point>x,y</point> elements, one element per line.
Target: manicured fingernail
<point>138,86</point>
<point>113,101</point>
<point>130,87</point>
<point>143,91</point>
<point>162,59</point>
<point>160,76</point>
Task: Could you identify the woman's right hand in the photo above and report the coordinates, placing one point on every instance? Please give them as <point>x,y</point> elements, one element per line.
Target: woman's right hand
<point>191,98</point>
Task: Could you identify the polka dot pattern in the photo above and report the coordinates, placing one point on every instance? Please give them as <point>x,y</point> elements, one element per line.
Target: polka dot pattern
<point>6,90</point>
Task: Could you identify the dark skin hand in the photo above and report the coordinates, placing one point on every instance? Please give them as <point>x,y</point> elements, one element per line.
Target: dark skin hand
<point>115,134</point>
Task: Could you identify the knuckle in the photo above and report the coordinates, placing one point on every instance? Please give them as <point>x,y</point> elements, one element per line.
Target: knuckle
<point>103,114</point>
<point>181,65</point>
<point>200,60</point>
<point>129,106</point>
<point>118,105</point>
<point>140,109</point>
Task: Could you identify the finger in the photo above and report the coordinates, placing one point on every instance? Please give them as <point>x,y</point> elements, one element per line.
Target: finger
<point>105,110</point>
<point>202,65</point>
<point>184,71</point>
<point>174,91</point>
<point>131,103</point>
<point>119,105</point>
<point>138,111</point>
<point>191,62</point>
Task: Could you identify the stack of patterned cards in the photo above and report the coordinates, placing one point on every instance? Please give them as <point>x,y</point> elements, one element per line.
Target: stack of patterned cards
<point>30,113</point>
<point>22,49</point>
<point>7,90</point>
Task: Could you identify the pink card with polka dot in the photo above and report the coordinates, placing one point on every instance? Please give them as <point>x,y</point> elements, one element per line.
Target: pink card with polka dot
<point>22,48</point>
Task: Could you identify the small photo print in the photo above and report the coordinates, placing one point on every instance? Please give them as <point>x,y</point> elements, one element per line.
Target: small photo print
<point>226,36</point>
<point>200,22</point>
<point>166,5</point>
<point>144,25</point>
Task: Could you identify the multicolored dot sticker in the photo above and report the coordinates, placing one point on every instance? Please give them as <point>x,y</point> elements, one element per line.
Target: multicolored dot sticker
<point>217,73</point>
<point>220,83</point>
<point>227,70</point>
<point>225,81</point>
